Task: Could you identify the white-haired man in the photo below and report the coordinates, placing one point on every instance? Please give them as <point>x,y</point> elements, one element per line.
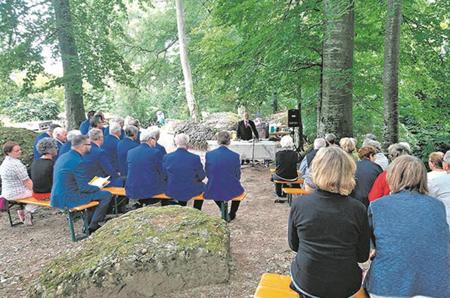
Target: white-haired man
<point>68,144</point>
<point>305,165</point>
<point>184,172</point>
<point>157,133</point>
<point>60,135</point>
<point>110,143</point>
<point>145,174</point>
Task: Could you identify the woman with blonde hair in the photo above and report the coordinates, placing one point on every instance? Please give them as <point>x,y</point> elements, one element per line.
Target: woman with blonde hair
<point>410,235</point>
<point>329,230</point>
<point>349,146</point>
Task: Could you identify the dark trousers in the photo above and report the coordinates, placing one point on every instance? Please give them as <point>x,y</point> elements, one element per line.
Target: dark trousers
<point>197,204</point>
<point>152,201</point>
<point>98,214</point>
<point>234,207</point>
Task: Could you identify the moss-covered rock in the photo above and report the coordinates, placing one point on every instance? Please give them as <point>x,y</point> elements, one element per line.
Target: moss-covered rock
<point>144,253</point>
<point>23,137</point>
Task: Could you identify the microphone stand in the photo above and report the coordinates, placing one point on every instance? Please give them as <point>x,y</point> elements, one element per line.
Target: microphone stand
<point>253,152</point>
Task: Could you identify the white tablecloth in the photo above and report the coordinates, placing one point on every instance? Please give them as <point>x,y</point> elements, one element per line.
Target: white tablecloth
<point>263,150</point>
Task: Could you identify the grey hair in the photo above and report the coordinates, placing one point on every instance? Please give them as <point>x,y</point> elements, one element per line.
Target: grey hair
<point>148,134</point>
<point>447,157</point>
<point>181,140</point>
<point>58,131</point>
<point>330,138</point>
<point>373,143</point>
<point>319,143</point>
<point>78,140</point>
<point>131,130</point>
<point>156,129</point>
<point>398,149</point>
<point>47,146</point>
<point>114,128</point>
<point>71,134</point>
<point>118,120</point>
<point>287,142</point>
<point>95,134</point>
<point>223,138</point>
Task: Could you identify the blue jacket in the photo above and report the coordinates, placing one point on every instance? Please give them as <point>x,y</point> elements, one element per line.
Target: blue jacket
<point>223,169</point>
<point>161,149</point>
<point>36,140</point>
<point>84,127</point>
<point>110,147</point>
<point>145,176</point>
<point>123,146</point>
<point>96,163</point>
<point>64,148</point>
<point>69,182</point>
<point>59,145</point>
<point>412,243</point>
<point>184,172</point>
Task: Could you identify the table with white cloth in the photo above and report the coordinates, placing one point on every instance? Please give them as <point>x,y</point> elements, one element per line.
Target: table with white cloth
<point>258,150</point>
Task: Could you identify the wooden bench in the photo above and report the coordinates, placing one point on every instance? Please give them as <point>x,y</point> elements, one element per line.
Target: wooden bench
<point>71,214</point>
<point>293,191</point>
<point>120,191</point>
<point>277,286</point>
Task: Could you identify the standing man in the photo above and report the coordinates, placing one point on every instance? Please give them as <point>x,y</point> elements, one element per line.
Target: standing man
<point>246,129</point>
<point>70,186</point>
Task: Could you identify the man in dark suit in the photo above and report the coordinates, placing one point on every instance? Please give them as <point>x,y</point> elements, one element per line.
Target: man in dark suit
<point>60,135</point>
<point>145,175</point>
<point>246,129</point>
<point>157,134</point>
<point>46,134</point>
<point>110,144</point>
<point>184,172</point>
<point>85,125</point>
<point>96,162</point>
<point>70,186</point>
<point>125,145</point>
<point>224,173</point>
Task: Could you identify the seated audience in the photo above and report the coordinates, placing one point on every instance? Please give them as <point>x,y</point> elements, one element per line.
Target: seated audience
<point>380,158</point>
<point>85,125</point>
<point>330,138</point>
<point>380,187</point>
<point>42,169</point>
<point>110,144</point>
<point>367,172</point>
<point>68,144</point>
<point>125,145</point>
<point>96,162</point>
<point>223,169</point>
<point>435,163</point>
<point>135,123</point>
<point>98,121</point>
<point>145,174</point>
<point>286,161</point>
<point>46,134</point>
<point>329,230</point>
<point>349,146</point>
<point>410,235</point>
<point>184,172</point>
<point>439,185</point>
<point>15,181</point>
<point>71,187</point>
<point>60,135</point>
<point>157,134</point>
<point>307,160</point>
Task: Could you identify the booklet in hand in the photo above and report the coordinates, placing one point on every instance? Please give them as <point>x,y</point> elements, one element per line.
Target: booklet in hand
<point>100,182</point>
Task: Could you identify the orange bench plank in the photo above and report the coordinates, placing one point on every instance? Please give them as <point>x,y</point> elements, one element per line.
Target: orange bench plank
<point>298,181</point>
<point>275,286</point>
<point>295,191</point>
<point>46,203</point>
<point>118,191</point>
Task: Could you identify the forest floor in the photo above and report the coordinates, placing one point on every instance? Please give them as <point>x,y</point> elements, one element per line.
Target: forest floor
<point>258,243</point>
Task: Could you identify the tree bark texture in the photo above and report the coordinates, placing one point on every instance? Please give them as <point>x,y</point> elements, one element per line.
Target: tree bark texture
<point>299,130</point>
<point>336,110</point>
<point>390,75</point>
<point>72,78</point>
<point>192,104</point>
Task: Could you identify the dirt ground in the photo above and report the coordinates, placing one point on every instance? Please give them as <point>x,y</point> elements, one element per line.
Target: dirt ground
<point>258,243</point>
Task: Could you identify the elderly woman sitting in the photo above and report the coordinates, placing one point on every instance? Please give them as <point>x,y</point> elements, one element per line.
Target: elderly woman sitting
<point>42,168</point>
<point>15,181</point>
<point>286,164</point>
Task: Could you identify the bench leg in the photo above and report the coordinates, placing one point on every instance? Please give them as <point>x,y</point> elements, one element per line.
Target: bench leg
<point>71,226</point>
<point>84,216</point>
<point>224,210</point>
<point>11,222</point>
<point>289,199</point>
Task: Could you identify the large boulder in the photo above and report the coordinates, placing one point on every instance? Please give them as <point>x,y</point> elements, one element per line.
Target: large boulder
<point>148,252</point>
<point>198,133</point>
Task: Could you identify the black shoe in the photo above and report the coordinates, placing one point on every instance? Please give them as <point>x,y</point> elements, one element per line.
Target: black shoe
<point>280,201</point>
<point>92,230</point>
<point>231,216</point>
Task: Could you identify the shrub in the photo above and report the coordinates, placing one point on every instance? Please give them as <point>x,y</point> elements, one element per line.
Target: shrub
<point>23,137</point>
<point>31,108</point>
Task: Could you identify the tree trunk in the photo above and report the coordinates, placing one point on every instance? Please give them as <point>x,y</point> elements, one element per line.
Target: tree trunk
<point>390,75</point>
<point>192,104</point>
<point>299,136</point>
<point>72,79</point>
<point>319,100</point>
<point>336,112</point>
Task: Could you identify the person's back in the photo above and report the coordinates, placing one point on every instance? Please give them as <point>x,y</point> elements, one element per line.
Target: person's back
<point>286,164</point>
<point>367,172</point>
<point>185,173</point>
<point>42,175</point>
<point>439,187</point>
<point>412,247</point>
<point>64,148</point>
<point>96,163</point>
<point>110,147</point>
<point>36,140</point>
<point>223,170</point>
<point>123,146</point>
<point>145,177</point>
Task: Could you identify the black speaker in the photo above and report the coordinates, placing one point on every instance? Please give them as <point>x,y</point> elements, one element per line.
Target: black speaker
<point>294,118</point>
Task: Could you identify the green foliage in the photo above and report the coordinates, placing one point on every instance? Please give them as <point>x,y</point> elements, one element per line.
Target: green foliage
<point>31,107</point>
<point>21,136</point>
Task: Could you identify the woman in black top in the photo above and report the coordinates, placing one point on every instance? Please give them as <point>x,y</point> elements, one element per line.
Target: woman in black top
<point>286,163</point>
<point>329,230</point>
<point>42,168</point>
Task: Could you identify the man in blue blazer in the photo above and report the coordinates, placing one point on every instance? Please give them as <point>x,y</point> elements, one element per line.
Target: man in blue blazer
<point>96,162</point>
<point>125,145</point>
<point>46,134</point>
<point>60,135</point>
<point>145,175</point>
<point>159,147</point>
<point>223,169</point>
<point>184,172</point>
<point>70,187</point>
<point>110,144</point>
<point>86,124</point>
<point>68,144</point>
